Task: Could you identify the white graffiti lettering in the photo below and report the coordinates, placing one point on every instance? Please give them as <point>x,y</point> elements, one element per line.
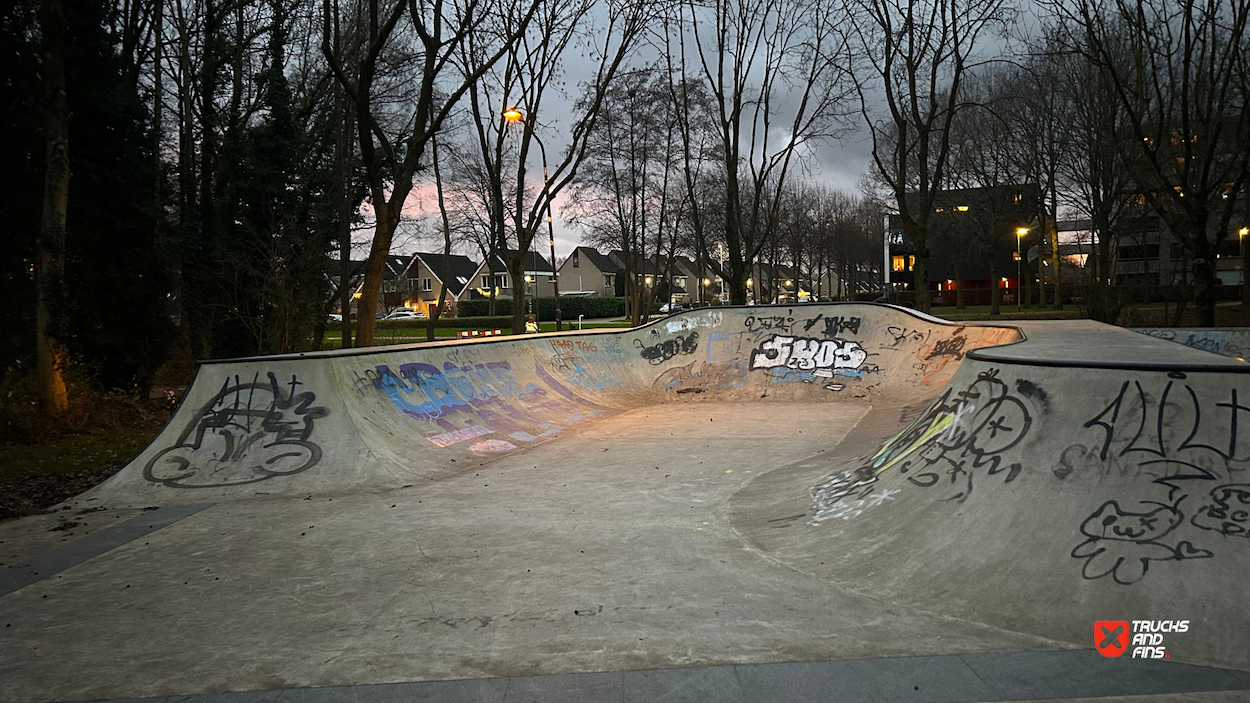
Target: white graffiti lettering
<point>806,354</point>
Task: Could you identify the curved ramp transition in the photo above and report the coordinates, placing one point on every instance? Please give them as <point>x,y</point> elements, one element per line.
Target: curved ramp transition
<point>1035,478</point>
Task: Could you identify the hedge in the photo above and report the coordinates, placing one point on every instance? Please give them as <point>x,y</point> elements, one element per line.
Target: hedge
<point>483,323</point>
<point>570,307</point>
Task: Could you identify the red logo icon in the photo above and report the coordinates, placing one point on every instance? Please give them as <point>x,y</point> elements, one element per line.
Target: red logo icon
<point>1111,637</point>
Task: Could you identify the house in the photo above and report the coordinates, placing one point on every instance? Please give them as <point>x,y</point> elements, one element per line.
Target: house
<point>395,283</point>
<point>538,271</point>
<point>587,272</point>
<point>429,276</point>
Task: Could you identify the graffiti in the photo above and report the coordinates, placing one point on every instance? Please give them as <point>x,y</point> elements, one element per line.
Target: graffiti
<point>825,358</point>
<point>462,356</point>
<point>707,376</point>
<point>669,348</point>
<point>962,433</point>
<point>1228,513</point>
<point>728,346</point>
<point>689,322</point>
<point>469,402</point>
<point>953,347</point>
<point>777,323</point>
<point>447,439</point>
<point>1121,544</point>
<point>611,345</point>
<point>845,509</point>
<point>935,360</point>
<point>1177,439</point>
<point>898,336</point>
<point>248,432</point>
<point>565,362</point>
<point>571,344</point>
<point>363,384</point>
<point>1230,344</point>
<point>835,326</point>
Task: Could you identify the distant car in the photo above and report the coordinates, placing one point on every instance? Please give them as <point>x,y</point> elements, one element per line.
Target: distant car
<point>669,308</point>
<point>405,315</point>
<point>334,317</point>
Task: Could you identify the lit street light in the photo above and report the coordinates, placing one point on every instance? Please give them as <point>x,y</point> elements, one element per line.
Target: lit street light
<point>1021,233</point>
<point>514,115</point>
<point>1245,282</point>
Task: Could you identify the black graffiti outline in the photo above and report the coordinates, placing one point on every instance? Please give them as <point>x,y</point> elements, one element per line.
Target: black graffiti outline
<point>214,416</point>
<point>669,348</point>
<point>1125,561</point>
<point>1221,511</point>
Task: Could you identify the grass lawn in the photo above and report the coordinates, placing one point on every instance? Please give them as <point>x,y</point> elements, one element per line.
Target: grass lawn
<point>72,454</point>
<point>416,333</point>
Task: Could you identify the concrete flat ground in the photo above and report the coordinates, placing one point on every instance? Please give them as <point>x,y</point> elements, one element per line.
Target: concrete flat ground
<point>509,569</point>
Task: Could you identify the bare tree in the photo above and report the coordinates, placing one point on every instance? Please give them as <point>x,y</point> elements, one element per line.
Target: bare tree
<point>536,68</point>
<point>1178,70</point>
<point>392,156</point>
<point>776,71</point>
<point>917,56</point>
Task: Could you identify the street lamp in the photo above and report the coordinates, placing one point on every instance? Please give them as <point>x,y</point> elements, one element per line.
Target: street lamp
<point>1245,282</point>
<point>514,115</point>
<point>1021,233</point>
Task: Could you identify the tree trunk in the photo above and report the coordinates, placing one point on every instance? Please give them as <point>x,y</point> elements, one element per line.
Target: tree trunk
<point>50,352</point>
<point>375,271</point>
<point>343,196</point>
<point>1053,229</point>
<point>995,291</point>
<point>921,276</point>
<point>516,272</point>
<point>442,211</point>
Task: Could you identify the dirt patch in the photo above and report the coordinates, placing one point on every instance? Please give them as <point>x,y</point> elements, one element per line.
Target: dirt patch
<point>36,494</point>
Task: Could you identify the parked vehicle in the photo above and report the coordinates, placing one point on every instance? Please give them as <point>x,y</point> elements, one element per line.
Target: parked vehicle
<point>334,317</point>
<point>669,308</point>
<point>406,315</point>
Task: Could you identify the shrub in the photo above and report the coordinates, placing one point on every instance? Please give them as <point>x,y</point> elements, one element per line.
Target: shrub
<point>545,308</point>
<point>494,323</point>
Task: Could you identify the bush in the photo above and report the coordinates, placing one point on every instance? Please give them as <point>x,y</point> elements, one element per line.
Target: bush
<point>493,323</point>
<point>570,307</point>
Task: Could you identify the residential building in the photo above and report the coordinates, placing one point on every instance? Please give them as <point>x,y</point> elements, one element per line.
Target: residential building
<point>538,271</point>
<point>975,236</point>
<point>429,276</point>
<point>587,272</point>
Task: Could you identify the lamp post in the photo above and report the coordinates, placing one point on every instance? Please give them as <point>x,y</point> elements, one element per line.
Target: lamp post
<point>1021,232</point>
<point>1245,282</point>
<point>515,115</point>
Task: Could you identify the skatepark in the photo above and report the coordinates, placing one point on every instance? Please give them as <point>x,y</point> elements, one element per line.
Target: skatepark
<point>814,502</point>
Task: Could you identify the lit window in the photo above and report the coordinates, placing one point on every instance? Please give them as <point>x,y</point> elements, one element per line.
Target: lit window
<point>962,208</point>
<point>897,264</point>
<point>1017,198</point>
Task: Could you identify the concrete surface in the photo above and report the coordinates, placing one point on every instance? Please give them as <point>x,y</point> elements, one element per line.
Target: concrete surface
<point>879,494</point>
<point>1232,342</point>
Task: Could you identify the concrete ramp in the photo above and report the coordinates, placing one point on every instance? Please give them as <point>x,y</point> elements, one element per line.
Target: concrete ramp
<point>1034,478</point>
<point>1086,474</point>
<point>382,418</point>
